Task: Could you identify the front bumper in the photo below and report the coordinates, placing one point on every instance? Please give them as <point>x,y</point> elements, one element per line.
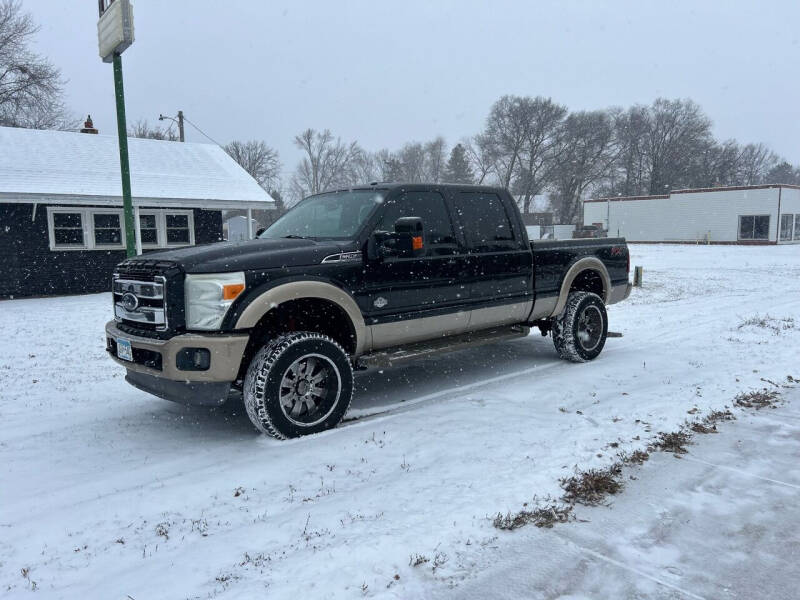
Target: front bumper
<point>225,351</point>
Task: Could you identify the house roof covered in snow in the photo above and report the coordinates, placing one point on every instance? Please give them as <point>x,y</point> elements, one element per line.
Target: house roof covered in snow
<point>78,168</point>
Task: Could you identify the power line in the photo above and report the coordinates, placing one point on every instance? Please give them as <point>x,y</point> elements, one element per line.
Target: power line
<point>185,118</point>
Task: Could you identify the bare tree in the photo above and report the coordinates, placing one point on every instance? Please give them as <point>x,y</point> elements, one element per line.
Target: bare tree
<point>630,177</point>
<point>328,163</point>
<point>505,135</point>
<point>481,156</point>
<point>755,161</point>
<point>435,159</point>
<point>678,130</point>
<point>263,165</point>
<point>544,119</point>
<point>586,154</point>
<point>258,159</point>
<point>415,162</point>
<point>143,129</point>
<point>31,88</point>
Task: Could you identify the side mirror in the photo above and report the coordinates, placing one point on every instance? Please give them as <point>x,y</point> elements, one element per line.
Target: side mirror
<point>260,230</point>
<point>407,241</point>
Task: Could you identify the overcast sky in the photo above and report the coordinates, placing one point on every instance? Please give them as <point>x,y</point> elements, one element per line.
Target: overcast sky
<point>385,73</point>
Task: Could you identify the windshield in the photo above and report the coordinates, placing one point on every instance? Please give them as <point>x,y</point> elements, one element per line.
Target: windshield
<point>336,215</point>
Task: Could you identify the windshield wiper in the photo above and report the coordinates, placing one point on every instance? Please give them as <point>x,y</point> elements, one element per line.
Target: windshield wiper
<point>295,237</point>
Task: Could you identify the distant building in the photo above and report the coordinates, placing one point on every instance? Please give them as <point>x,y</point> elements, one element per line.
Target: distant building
<point>754,214</point>
<point>235,229</point>
<point>62,229</point>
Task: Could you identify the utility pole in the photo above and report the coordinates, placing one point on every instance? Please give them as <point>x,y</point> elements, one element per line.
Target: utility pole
<point>181,135</point>
<point>180,126</point>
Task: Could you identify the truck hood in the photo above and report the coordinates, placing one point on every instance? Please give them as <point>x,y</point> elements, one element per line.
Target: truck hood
<point>251,255</point>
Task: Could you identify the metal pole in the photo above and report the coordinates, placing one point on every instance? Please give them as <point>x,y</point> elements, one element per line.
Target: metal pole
<point>122,132</point>
<point>249,223</point>
<point>180,126</point>
<point>137,230</point>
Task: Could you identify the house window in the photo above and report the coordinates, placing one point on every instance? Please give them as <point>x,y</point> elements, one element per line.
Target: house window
<point>107,230</point>
<point>796,227</point>
<point>67,230</point>
<point>754,227</point>
<point>786,227</point>
<point>178,232</point>
<point>148,229</point>
<point>104,228</point>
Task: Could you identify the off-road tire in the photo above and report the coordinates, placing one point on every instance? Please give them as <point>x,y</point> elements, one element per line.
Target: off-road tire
<point>262,383</point>
<point>567,332</point>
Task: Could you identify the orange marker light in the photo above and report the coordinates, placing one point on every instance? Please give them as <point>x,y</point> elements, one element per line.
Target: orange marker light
<point>230,291</point>
<point>416,242</point>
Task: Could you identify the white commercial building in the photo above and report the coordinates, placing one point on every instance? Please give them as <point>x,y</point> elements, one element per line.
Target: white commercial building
<point>754,214</point>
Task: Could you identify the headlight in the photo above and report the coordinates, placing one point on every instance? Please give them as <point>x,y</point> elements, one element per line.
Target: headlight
<point>208,298</point>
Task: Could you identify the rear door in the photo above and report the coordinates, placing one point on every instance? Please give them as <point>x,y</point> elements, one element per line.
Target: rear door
<point>500,262</point>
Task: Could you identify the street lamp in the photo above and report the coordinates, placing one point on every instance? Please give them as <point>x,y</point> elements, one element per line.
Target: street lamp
<point>114,36</point>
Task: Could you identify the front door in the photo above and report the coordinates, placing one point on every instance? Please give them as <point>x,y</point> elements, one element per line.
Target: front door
<point>410,299</point>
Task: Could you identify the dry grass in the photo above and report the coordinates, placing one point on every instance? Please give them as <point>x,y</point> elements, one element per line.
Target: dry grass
<point>546,516</point>
<point>674,442</point>
<point>773,324</point>
<point>702,427</point>
<point>637,457</point>
<point>591,487</point>
<point>758,399</point>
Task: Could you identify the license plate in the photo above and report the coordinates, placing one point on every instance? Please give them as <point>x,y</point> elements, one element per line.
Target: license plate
<point>124,350</point>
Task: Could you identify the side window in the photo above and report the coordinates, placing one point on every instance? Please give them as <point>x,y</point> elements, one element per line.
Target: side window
<point>178,229</point>
<point>485,222</point>
<point>107,229</point>
<point>68,230</point>
<point>754,227</point>
<point>430,207</point>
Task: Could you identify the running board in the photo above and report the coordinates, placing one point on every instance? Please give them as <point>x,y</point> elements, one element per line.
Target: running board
<point>395,356</point>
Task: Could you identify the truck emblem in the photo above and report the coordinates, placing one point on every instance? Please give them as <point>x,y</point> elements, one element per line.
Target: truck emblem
<point>130,302</point>
<point>380,302</point>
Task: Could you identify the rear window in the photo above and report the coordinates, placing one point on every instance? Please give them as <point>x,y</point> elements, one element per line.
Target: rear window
<point>484,222</point>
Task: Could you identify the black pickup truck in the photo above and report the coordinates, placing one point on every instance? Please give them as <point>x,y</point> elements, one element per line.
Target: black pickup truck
<point>357,278</point>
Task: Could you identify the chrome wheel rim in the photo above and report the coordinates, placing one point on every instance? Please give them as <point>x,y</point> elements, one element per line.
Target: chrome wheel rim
<point>309,390</point>
<point>590,328</point>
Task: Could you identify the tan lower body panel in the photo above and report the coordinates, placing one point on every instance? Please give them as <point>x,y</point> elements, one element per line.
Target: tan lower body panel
<point>388,335</point>
<point>506,314</point>
<point>226,354</point>
<point>544,307</point>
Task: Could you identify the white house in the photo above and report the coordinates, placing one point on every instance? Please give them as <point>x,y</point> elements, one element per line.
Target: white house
<point>754,214</point>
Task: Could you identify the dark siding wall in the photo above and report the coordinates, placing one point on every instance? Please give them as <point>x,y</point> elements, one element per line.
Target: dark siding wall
<point>207,226</point>
<point>29,268</point>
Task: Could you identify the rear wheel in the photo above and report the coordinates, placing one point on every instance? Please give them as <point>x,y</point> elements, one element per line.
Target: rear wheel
<point>579,332</point>
<point>299,383</point>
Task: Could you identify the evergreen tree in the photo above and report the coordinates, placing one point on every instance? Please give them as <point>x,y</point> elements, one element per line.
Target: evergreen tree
<point>458,169</point>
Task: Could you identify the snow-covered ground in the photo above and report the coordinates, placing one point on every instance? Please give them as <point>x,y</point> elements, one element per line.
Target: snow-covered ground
<point>106,492</point>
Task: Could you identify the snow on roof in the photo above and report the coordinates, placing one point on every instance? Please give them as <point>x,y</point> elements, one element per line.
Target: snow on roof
<point>49,164</point>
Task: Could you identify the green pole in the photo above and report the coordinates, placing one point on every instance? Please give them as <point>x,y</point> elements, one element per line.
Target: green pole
<point>122,131</point>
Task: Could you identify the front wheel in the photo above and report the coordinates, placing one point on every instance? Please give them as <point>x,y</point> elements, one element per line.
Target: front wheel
<point>579,332</point>
<point>299,383</point>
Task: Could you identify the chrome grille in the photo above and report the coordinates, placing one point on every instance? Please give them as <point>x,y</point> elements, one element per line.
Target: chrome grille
<point>140,302</point>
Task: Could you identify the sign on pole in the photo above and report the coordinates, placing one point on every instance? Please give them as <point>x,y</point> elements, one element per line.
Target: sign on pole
<point>114,35</point>
<point>114,27</point>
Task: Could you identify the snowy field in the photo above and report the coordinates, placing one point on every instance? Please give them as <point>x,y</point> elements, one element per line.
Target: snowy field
<point>106,492</point>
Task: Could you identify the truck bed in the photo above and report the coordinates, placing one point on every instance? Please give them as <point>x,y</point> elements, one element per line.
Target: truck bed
<point>551,259</point>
